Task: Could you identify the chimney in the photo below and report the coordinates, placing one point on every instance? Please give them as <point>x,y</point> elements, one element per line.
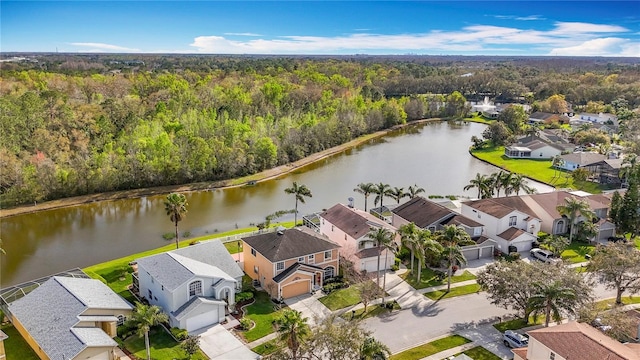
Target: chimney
<point>351,202</point>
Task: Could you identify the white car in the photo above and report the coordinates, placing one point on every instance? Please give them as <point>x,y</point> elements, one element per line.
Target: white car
<point>512,339</point>
<point>544,255</point>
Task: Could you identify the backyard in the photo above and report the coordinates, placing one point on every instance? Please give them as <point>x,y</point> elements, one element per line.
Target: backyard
<point>162,346</point>
<point>20,350</point>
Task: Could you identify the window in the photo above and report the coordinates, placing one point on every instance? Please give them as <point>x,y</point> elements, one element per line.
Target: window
<point>312,259</point>
<point>560,227</point>
<point>121,320</point>
<point>328,272</point>
<point>162,287</point>
<point>253,252</point>
<point>301,260</point>
<point>513,220</point>
<point>255,269</point>
<point>345,237</point>
<point>552,356</point>
<point>327,255</point>
<point>331,228</point>
<point>432,229</point>
<point>280,266</point>
<point>195,288</point>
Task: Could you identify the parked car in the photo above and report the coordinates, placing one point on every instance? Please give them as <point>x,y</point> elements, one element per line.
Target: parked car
<point>544,255</point>
<point>512,339</point>
<point>617,238</point>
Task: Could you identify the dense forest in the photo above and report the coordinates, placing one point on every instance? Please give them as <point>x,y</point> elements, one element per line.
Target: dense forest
<point>80,124</point>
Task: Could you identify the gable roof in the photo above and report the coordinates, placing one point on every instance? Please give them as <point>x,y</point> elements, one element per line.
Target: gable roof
<point>575,340</point>
<point>422,212</point>
<point>50,312</point>
<point>583,158</point>
<point>461,220</point>
<point>289,244</point>
<point>353,222</point>
<point>293,269</point>
<point>549,202</point>
<point>214,253</point>
<point>511,233</point>
<point>501,207</point>
<point>195,303</point>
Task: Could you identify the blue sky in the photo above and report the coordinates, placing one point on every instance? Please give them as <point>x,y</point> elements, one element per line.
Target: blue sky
<point>563,28</point>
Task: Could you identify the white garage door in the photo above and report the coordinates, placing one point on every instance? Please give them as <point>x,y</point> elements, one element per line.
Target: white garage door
<point>202,320</point>
<point>371,265</point>
<point>102,356</point>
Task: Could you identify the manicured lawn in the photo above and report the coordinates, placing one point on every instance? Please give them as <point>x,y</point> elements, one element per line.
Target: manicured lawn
<point>162,346</point>
<point>516,324</point>
<point>455,291</point>
<point>429,278</point>
<point>15,346</point>
<point>540,170</point>
<point>609,303</point>
<point>478,119</point>
<point>480,353</point>
<point>266,348</point>
<point>372,310</point>
<point>263,313</point>
<point>232,246</point>
<point>431,348</point>
<point>576,251</point>
<point>342,298</point>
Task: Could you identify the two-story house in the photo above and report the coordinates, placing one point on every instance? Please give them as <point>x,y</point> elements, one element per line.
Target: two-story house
<point>508,221</point>
<point>195,285</point>
<point>350,228</point>
<point>70,318</point>
<point>290,262</point>
<point>432,216</point>
<point>574,340</point>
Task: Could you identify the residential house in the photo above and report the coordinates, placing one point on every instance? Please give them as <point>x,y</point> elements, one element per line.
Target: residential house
<point>600,118</point>
<point>574,340</point>
<point>634,315</point>
<point>507,220</point>
<point>290,262</point>
<point>607,171</point>
<point>3,337</point>
<point>535,149</point>
<point>195,285</point>
<point>349,228</point>
<point>545,207</point>
<point>573,161</point>
<point>547,118</point>
<point>432,216</point>
<point>70,318</point>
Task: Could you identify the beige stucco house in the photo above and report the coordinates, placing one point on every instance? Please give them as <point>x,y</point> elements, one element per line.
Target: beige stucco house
<point>290,262</point>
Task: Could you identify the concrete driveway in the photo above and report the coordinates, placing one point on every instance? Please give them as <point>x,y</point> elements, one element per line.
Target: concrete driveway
<point>309,306</point>
<point>219,344</point>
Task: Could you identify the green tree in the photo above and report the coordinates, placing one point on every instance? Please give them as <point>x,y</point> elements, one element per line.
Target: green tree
<point>451,238</point>
<point>426,247</point>
<point>191,345</point>
<point>483,184</point>
<point>365,189</point>
<point>514,117</point>
<point>293,329</point>
<point>381,190</point>
<point>580,174</point>
<point>300,192</point>
<point>498,133</point>
<point>628,214</point>
<point>373,349</point>
<point>617,266</point>
<point>384,240</point>
<point>176,207</point>
<point>573,209</point>
<point>556,244</point>
<point>551,299</point>
<point>409,238</point>
<point>456,105</point>
<point>143,318</point>
<point>397,194</point>
<point>518,184</point>
<point>414,190</point>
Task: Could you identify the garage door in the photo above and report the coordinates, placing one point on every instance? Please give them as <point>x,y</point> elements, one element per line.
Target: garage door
<point>604,234</point>
<point>471,254</point>
<point>203,320</point>
<point>296,288</point>
<point>102,356</point>
<point>371,266</point>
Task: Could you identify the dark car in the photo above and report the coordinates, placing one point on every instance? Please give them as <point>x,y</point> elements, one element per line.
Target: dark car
<point>617,238</point>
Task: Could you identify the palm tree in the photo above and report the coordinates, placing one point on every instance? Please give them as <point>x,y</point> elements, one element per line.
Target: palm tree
<point>550,299</point>
<point>482,183</point>
<point>300,192</point>
<point>293,329</point>
<point>397,194</point>
<point>572,209</point>
<point>451,237</point>
<point>373,349</point>
<point>382,237</point>
<point>408,238</point>
<point>381,190</point>
<point>505,182</point>
<point>1,248</point>
<point>365,189</point>
<point>518,184</point>
<point>557,163</point>
<point>143,318</point>
<point>176,207</point>
<point>414,191</point>
<point>426,246</point>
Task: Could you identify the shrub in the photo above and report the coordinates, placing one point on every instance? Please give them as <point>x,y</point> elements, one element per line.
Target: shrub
<point>169,236</point>
<point>404,253</point>
<point>245,323</point>
<point>180,334</point>
<point>395,267</point>
<point>513,256</point>
<point>454,268</point>
<point>125,330</point>
<point>243,296</point>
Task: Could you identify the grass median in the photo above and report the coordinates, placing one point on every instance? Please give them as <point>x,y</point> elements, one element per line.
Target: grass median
<point>455,291</point>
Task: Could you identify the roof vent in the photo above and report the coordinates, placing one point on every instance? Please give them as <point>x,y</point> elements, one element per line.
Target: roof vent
<point>280,230</point>
<point>350,202</point>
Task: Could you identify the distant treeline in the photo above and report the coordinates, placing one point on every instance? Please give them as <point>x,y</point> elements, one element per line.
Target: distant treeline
<point>73,125</point>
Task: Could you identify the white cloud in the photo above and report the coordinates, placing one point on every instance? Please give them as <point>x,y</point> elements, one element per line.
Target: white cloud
<point>242,34</point>
<point>563,38</point>
<point>101,47</point>
<point>610,46</point>
<point>520,18</point>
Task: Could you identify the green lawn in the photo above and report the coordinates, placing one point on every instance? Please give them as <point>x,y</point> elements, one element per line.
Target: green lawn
<point>518,323</point>
<point>263,313</point>
<point>266,348</point>
<point>540,170</point>
<point>232,246</point>
<point>480,353</point>
<point>576,251</point>
<point>455,291</point>
<point>431,348</point>
<point>342,298</point>
<point>428,278</point>
<point>15,346</point>
<point>162,346</point>
<point>372,310</point>
<point>478,119</point>
<point>609,303</point>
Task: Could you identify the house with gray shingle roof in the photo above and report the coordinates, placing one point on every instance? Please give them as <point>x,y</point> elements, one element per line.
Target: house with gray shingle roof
<point>195,285</point>
<point>70,318</point>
